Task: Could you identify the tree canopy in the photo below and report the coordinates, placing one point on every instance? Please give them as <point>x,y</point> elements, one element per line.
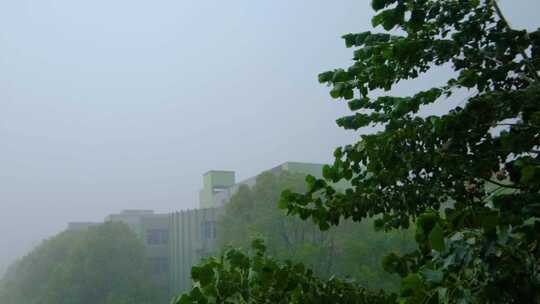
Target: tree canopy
<point>480,160</point>
<point>349,251</point>
<point>104,264</point>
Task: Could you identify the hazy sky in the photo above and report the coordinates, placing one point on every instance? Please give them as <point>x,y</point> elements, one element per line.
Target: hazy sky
<point>114,104</point>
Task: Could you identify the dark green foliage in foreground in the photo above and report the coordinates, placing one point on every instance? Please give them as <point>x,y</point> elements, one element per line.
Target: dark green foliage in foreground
<point>484,156</point>
<point>239,278</point>
<point>104,264</point>
<point>349,251</point>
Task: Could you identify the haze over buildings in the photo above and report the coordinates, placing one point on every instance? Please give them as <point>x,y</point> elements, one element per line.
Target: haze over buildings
<point>111,105</point>
<point>175,242</point>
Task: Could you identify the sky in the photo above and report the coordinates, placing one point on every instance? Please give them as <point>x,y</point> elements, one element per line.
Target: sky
<point>114,104</point>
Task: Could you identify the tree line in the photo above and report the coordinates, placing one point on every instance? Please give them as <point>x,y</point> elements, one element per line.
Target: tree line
<point>104,264</point>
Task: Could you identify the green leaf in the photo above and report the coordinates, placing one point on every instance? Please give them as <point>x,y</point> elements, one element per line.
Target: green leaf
<point>184,299</point>
<point>239,260</point>
<point>417,18</point>
<point>433,276</point>
<point>348,94</point>
<point>436,238</point>
<point>340,76</point>
<point>443,295</point>
<point>258,245</point>
<point>325,77</point>
<point>527,174</point>
<point>489,220</point>
<point>410,284</point>
<point>378,4</point>
<point>531,221</point>
<point>377,20</point>
<point>283,202</point>
<point>357,104</point>
<point>337,91</point>
<point>388,18</point>
<point>203,274</point>
<point>350,40</point>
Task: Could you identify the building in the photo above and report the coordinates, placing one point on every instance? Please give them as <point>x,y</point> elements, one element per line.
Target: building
<point>193,235</point>
<point>156,238</point>
<point>219,186</point>
<point>193,232</point>
<point>132,218</point>
<point>175,242</point>
<point>215,188</point>
<point>153,230</point>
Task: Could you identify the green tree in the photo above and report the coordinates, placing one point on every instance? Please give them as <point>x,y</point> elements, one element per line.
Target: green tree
<point>480,159</point>
<point>239,278</point>
<point>104,264</point>
<point>348,251</point>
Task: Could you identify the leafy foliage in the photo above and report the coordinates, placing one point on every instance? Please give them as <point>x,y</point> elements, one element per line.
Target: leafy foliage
<point>105,264</point>
<point>482,157</point>
<point>238,278</point>
<point>349,251</point>
<point>468,178</point>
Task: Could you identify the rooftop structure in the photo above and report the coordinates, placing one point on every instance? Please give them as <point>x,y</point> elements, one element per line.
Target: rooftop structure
<point>214,184</point>
<point>219,186</point>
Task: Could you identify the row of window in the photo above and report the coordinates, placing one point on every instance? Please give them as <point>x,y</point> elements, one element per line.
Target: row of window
<point>159,265</point>
<point>161,236</point>
<point>157,236</point>
<point>208,230</point>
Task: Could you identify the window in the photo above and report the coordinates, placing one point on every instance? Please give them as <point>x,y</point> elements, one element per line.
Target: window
<point>157,236</point>
<point>208,230</point>
<point>159,265</point>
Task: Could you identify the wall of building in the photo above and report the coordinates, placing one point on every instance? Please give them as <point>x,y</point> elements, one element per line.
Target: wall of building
<point>156,238</point>
<point>193,234</point>
<point>215,183</point>
<point>132,218</point>
<point>175,242</point>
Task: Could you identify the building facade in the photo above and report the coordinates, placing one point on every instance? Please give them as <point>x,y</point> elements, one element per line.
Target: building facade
<point>216,185</point>
<point>193,232</point>
<point>176,242</point>
<point>156,237</point>
<point>193,235</point>
<point>153,230</point>
<point>132,218</point>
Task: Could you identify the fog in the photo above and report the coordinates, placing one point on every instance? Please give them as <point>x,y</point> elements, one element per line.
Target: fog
<point>110,105</point>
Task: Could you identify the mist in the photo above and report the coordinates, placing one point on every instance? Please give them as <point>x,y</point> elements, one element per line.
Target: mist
<point>111,105</point>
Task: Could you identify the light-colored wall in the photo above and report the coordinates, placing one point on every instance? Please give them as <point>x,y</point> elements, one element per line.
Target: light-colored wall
<point>132,218</point>
<point>215,185</point>
<point>157,251</point>
<point>188,245</point>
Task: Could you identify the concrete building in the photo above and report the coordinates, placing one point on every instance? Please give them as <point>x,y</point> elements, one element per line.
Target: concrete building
<point>193,232</point>
<point>175,242</point>
<point>216,185</point>
<point>193,235</point>
<point>156,237</point>
<point>153,230</point>
<point>132,218</point>
<point>219,186</point>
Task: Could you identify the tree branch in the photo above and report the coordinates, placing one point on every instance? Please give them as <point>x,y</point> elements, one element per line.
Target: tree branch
<point>501,184</point>
<point>530,66</point>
